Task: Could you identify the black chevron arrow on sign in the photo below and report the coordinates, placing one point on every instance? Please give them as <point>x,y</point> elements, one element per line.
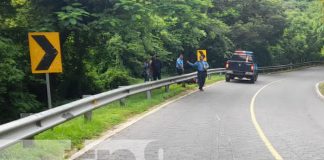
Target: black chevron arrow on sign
<point>50,52</point>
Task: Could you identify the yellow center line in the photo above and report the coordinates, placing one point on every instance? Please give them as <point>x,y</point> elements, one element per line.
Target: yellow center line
<point>264,138</point>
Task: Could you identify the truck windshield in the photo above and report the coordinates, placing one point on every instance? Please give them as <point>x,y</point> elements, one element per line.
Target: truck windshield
<point>241,57</point>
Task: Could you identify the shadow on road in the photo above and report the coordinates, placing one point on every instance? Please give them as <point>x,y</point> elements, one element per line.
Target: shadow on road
<point>241,81</point>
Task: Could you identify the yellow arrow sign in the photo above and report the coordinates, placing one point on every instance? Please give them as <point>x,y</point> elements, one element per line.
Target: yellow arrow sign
<point>45,52</point>
<point>200,52</point>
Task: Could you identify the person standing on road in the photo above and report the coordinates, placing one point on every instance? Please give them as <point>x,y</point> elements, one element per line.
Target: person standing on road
<point>202,67</point>
<point>146,71</point>
<point>179,65</point>
<point>156,66</point>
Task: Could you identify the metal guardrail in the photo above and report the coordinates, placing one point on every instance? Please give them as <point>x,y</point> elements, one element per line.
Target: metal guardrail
<point>28,127</point>
<point>288,66</point>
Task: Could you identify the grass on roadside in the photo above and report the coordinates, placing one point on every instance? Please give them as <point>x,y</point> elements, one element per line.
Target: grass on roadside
<point>77,130</point>
<point>321,88</point>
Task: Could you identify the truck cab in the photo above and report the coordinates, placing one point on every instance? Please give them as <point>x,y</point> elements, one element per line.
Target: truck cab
<point>242,65</point>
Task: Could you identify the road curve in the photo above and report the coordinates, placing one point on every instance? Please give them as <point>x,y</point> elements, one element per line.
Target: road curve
<point>217,123</point>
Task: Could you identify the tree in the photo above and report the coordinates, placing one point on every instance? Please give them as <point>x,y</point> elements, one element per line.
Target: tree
<point>104,43</point>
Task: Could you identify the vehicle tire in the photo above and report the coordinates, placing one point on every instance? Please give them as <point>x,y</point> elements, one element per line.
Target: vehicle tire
<point>227,77</point>
<point>256,77</point>
<point>252,80</point>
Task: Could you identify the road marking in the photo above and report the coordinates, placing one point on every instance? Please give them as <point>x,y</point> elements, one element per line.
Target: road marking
<point>318,91</point>
<point>264,138</point>
<point>118,128</point>
<point>217,116</point>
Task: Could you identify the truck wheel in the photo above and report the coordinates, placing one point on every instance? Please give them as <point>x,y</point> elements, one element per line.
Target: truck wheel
<point>252,80</point>
<point>228,79</point>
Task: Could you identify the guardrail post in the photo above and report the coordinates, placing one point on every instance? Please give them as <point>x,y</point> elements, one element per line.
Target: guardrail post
<point>167,88</point>
<point>122,102</point>
<point>28,142</point>
<point>23,115</point>
<point>149,94</point>
<point>183,84</point>
<point>88,115</point>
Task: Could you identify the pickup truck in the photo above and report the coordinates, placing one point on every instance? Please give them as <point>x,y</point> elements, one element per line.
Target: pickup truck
<point>242,65</point>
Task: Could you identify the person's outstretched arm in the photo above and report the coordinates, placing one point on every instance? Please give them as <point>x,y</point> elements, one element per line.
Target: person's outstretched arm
<point>192,64</point>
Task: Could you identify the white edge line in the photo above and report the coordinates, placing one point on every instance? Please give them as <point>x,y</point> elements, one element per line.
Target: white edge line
<point>320,95</point>
<point>258,127</point>
<point>217,116</point>
<point>128,123</point>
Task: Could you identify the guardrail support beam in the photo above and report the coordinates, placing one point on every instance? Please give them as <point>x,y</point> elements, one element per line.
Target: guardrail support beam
<point>28,143</point>
<point>122,102</point>
<point>149,94</point>
<point>167,88</point>
<point>88,116</point>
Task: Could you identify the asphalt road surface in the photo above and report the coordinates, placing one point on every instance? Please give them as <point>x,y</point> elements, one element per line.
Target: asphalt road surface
<point>218,123</point>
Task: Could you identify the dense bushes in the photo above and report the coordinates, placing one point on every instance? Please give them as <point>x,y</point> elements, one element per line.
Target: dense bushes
<point>104,43</point>
<point>113,78</point>
<point>15,97</point>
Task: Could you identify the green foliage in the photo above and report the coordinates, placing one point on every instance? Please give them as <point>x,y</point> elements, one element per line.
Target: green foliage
<point>104,43</point>
<point>303,39</point>
<point>71,16</point>
<point>114,77</point>
<point>14,97</point>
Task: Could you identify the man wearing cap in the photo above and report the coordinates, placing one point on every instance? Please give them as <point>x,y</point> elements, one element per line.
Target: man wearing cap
<point>202,67</point>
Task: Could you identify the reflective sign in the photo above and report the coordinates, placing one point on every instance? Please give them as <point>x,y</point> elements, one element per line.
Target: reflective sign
<point>200,52</point>
<point>45,52</point>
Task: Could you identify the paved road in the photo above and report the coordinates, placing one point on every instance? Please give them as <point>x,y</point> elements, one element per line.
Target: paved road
<point>217,124</point>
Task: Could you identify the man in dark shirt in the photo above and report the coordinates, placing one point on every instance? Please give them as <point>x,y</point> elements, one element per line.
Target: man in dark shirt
<point>156,66</point>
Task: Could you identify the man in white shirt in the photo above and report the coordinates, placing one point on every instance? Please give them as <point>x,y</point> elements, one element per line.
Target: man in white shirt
<point>179,65</point>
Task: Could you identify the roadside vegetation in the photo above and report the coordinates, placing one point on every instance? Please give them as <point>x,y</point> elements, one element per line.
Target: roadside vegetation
<point>321,88</point>
<point>105,42</point>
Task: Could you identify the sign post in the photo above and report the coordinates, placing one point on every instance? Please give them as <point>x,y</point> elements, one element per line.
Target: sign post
<point>48,87</point>
<point>45,56</point>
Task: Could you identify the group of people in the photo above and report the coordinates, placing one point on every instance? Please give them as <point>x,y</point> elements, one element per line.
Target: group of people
<point>152,69</point>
